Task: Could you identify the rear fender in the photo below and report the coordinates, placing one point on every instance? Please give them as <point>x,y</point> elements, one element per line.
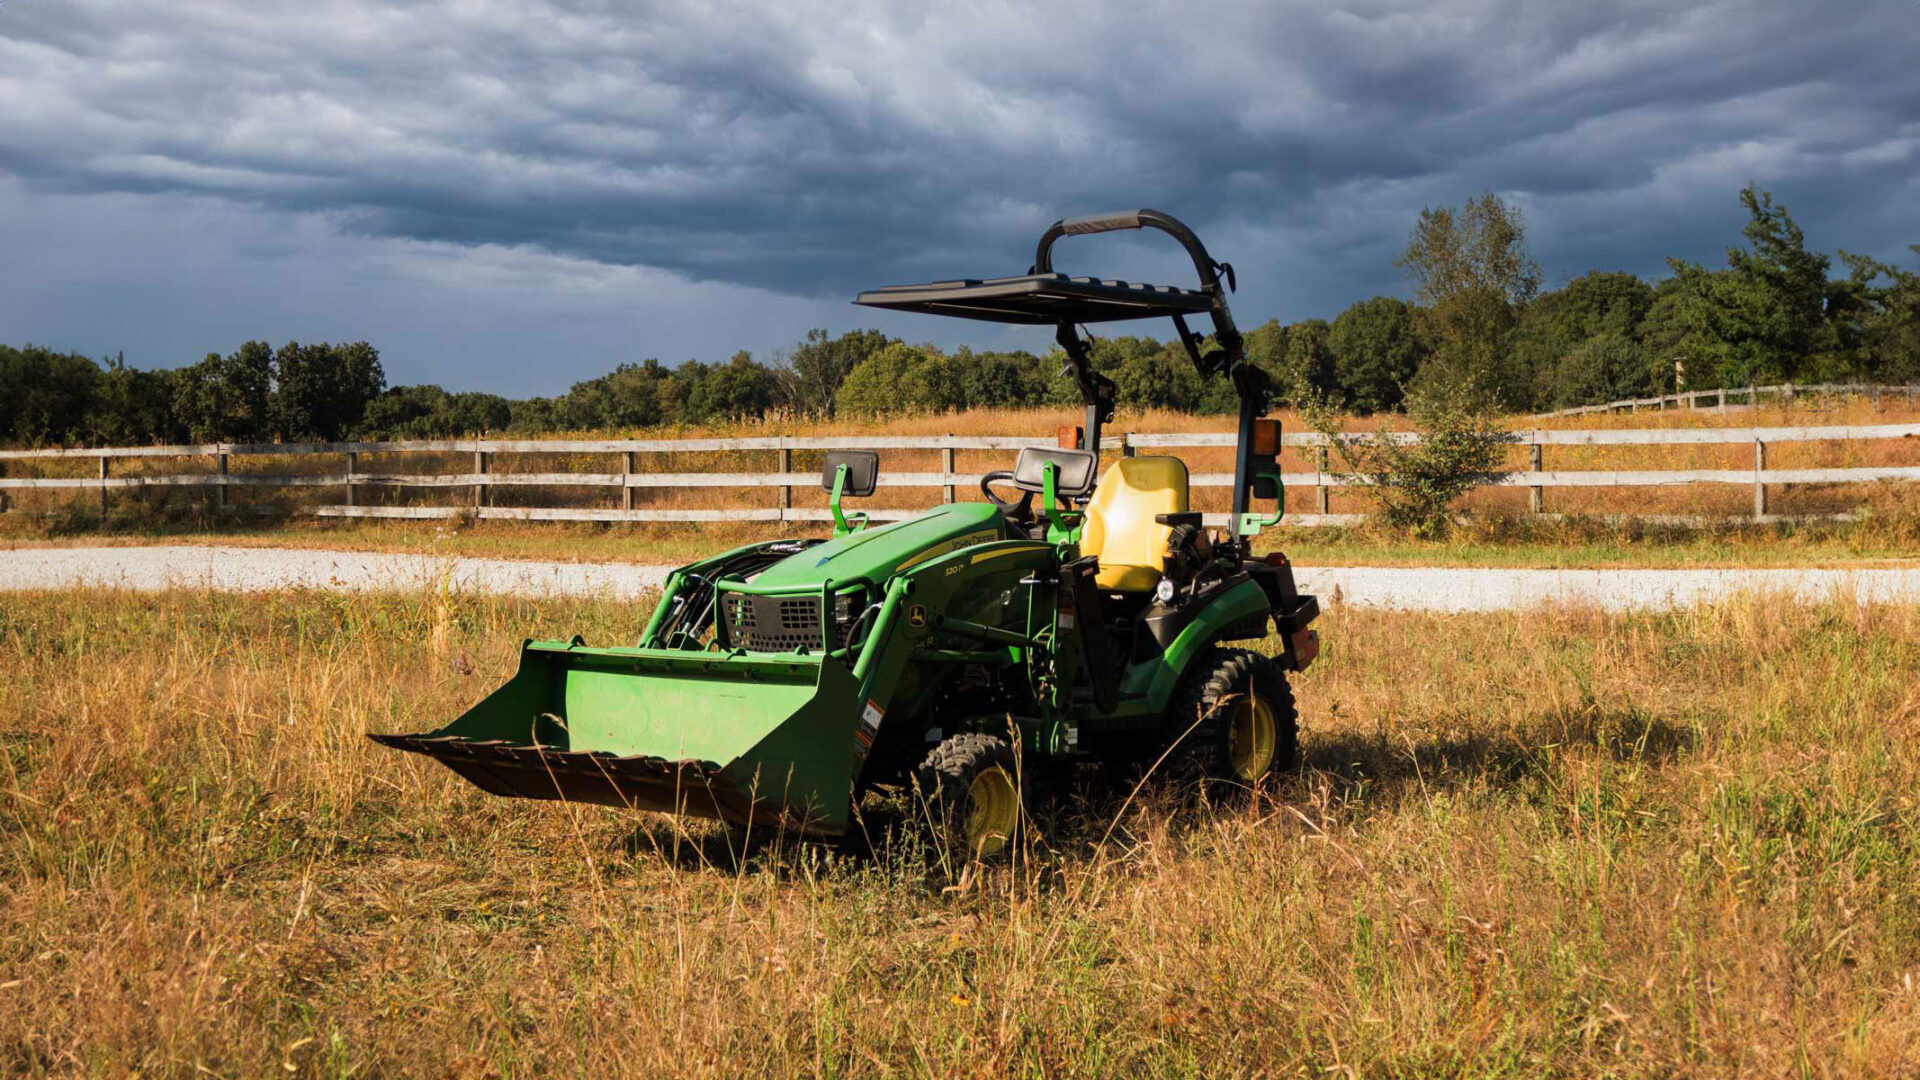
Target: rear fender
<point>1157,681</point>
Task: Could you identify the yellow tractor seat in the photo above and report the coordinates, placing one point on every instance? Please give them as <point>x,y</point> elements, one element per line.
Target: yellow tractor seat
<point>1120,527</point>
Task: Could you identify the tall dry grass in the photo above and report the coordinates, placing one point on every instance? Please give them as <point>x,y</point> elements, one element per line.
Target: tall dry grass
<point>1544,843</point>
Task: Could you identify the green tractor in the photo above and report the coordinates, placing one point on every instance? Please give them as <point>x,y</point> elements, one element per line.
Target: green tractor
<point>1075,615</point>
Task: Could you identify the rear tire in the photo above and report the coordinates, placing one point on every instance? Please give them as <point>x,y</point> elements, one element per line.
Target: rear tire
<point>1245,724</point>
<point>971,789</point>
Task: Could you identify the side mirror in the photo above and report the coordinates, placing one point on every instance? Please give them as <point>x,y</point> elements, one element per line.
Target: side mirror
<point>863,471</point>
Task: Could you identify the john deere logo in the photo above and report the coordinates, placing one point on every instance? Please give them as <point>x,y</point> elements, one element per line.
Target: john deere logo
<point>917,615</point>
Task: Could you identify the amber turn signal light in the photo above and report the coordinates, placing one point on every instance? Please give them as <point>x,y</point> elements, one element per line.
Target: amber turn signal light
<point>1266,438</point>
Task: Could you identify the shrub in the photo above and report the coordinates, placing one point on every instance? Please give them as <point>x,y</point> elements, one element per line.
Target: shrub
<point>1457,446</point>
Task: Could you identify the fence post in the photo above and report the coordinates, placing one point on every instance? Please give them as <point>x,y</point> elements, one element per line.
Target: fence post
<point>103,489</point>
<point>1321,493</point>
<point>946,466</point>
<point>1536,495</point>
<point>220,493</point>
<point>626,473</point>
<point>480,489</point>
<point>786,486</point>
<point>353,466</point>
<point>1759,487</point>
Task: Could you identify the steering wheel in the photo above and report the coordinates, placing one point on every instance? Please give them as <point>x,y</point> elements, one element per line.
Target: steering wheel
<point>1018,511</point>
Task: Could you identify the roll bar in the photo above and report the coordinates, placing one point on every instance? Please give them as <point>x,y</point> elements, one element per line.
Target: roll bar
<point>1224,331</point>
<point>1118,220</point>
<point>1251,383</point>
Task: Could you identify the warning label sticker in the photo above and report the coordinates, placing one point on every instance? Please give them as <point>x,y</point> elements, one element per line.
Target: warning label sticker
<point>868,727</point>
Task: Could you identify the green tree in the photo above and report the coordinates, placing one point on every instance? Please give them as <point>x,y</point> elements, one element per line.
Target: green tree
<point>227,398</point>
<point>533,416</point>
<point>1892,333</point>
<point>1266,348</point>
<point>878,384</point>
<point>1308,362</point>
<point>904,378</point>
<point>1764,318</point>
<point>133,407</point>
<point>1473,271</point>
<point>1556,324</point>
<point>1377,346</point>
<point>999,379</point>
<point>1608,366</point>
<point>1148,374</point>
<point>430,412</point>
<point>1677,330</point>
<point>819,364</point>
<point>45,396</point>
<point>1877,326</point>
<point>322,391</point>
<point>740,388</point>
<point>628,396</point>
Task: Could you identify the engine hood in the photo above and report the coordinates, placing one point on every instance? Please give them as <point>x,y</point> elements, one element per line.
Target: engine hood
<point>878,553</point>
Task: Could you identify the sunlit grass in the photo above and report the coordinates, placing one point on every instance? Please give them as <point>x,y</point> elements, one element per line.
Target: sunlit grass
<point>1542,843</point>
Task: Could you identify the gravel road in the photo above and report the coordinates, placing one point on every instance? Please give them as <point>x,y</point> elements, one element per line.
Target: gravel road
<point>1403,588</point>
<point>259,569</point>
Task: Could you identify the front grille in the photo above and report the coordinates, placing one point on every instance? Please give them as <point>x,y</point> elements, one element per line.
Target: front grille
<point>773,623</point>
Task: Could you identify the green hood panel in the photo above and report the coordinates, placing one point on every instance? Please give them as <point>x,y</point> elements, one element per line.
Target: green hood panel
<point>877,553</point>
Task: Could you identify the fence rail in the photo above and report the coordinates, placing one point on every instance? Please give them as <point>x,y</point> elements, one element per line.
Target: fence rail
<point>1785,392</point>
<point>482,480</point>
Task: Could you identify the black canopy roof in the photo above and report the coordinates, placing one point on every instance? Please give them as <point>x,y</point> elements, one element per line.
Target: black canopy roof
<point>1041,299</point>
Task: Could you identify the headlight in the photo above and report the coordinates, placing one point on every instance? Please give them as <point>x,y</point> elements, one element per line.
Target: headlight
<point>1164,591</point>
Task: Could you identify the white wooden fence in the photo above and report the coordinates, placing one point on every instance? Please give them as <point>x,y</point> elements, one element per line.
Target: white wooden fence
<point>1723,398</point>
<point>625,478</point>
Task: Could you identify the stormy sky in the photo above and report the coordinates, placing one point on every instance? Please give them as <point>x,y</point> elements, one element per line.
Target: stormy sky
<point>514,196</point>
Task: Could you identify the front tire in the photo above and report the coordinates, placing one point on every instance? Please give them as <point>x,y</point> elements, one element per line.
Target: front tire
<point>1245,726</point>
<point>971,789</point>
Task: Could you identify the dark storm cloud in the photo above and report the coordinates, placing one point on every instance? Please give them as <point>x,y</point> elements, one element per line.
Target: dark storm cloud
<point>817,148</point>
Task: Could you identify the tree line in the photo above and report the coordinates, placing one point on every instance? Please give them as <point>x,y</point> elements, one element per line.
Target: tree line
<point>1479,328</point>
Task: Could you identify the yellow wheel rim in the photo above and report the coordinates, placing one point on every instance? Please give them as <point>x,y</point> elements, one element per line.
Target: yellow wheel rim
<point>1252,738</point>
<point>993,809</point>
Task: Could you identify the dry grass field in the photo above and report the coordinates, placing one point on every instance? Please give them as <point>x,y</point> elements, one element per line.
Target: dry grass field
<point>1548,843</point>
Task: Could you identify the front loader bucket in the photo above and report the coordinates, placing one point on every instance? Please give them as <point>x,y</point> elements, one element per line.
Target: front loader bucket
<point>749,739</point>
